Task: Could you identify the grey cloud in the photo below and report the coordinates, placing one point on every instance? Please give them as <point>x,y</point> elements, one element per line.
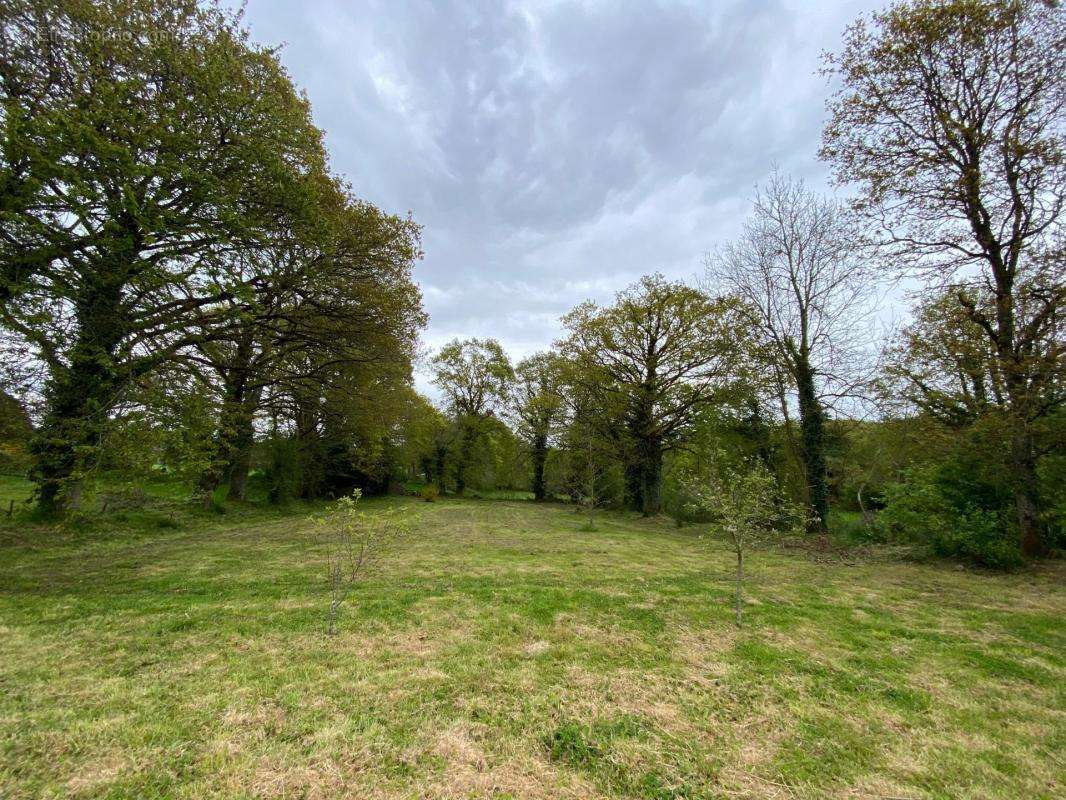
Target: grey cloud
<point>556,151</point>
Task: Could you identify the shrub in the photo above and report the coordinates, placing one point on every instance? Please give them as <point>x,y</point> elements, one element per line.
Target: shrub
<point>850,526</point>
<point>923,510</point>
<point>429,493</point>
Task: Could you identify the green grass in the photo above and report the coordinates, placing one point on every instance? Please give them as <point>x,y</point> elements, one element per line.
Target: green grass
<point>501,651</point>
<point>14,488</point>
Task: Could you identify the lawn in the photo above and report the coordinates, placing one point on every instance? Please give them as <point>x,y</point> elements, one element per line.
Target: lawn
<point>504,652</point>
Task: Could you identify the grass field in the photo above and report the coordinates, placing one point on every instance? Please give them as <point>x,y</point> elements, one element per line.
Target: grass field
<point>503,652</point>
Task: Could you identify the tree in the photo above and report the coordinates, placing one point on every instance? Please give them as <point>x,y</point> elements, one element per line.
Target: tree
<point>354,545</point>
<point>808,297</point>
<point>475,376</point>
<point>950,122</point>
<point>323,303</point>
<point>747,505</point>
<point>143,144</point>
<point>654,358</point>
<point>942,363</point>
<point>537,407</point>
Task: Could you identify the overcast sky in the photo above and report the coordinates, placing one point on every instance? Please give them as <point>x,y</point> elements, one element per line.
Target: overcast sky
<point>555,152</point>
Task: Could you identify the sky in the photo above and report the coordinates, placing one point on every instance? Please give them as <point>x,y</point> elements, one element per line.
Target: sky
<point>555,152</point>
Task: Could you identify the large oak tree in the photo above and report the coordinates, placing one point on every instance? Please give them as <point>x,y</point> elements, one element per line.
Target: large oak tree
<point>143,143</point>
<point>949,121</point>
<point>653,359</point>
<point>475,376</point>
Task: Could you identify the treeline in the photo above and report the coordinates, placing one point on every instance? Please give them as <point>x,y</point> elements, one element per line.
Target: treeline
<point>179,260</point>
<point>187,288</point>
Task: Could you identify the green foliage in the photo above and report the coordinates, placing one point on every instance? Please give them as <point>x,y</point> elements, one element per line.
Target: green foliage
<point>475,376</point>
<point>937,183</point>
<point>1052,472</point>
<point>746,502</point>
<point>852,528</point>
<point>722,436</point>
<point>537,408</point>
<point>429,493</point>
<point>353,544</point>
<point>282,474</point>
<point>743,499</point>
<point>648,364</point>
<point>130,132</point>
<point>931,507</point>
<point>15,432</point>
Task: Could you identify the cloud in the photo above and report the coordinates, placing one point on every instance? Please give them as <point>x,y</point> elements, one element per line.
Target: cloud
<point>557,151</point>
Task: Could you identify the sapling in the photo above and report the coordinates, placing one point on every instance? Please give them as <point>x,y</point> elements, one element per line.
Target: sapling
<point>354,543</point>
<point>748,506</point>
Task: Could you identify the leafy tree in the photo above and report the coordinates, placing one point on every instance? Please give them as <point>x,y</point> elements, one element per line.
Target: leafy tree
<point>325,302</point>
<point>537,408</point>
<point>943,367</point>
<point>943,364</point>
<point>809,299</point>
<point>654,358</point>
<point>15,432</point>
<point>950,123</point>
<point>418,432</point>
<point>143,143</point>
<point>746,503</point>
<point>591,453</point>
<point>475,376</point>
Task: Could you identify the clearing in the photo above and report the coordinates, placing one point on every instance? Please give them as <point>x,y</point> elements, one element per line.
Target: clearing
<point>503,652</point>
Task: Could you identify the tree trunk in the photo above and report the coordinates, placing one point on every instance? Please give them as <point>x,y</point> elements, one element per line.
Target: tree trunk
<point>240,464</point>
<point>812,429</point>
<point>240,460</point>
<point>1015,361</point>
<point>634,479</point>
<point>229,422</point>
<point>466,454</point>
<point>740,585</point>
<point>651,478</point>
<point>540,456</point>
<point>1026,499</point>
<point>440,455</point>
<point>308,449</point>
<point>81,395</point>
<point>1022,458</point>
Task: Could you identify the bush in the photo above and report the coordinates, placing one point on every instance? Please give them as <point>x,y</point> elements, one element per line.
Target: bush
<point>429,493</point>
<point>850,526</point>
<point>923,510</point>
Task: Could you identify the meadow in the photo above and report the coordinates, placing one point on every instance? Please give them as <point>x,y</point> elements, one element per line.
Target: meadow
<point>502,651</point>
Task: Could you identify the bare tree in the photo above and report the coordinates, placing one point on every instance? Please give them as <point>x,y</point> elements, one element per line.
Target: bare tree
<point>810,300</point>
